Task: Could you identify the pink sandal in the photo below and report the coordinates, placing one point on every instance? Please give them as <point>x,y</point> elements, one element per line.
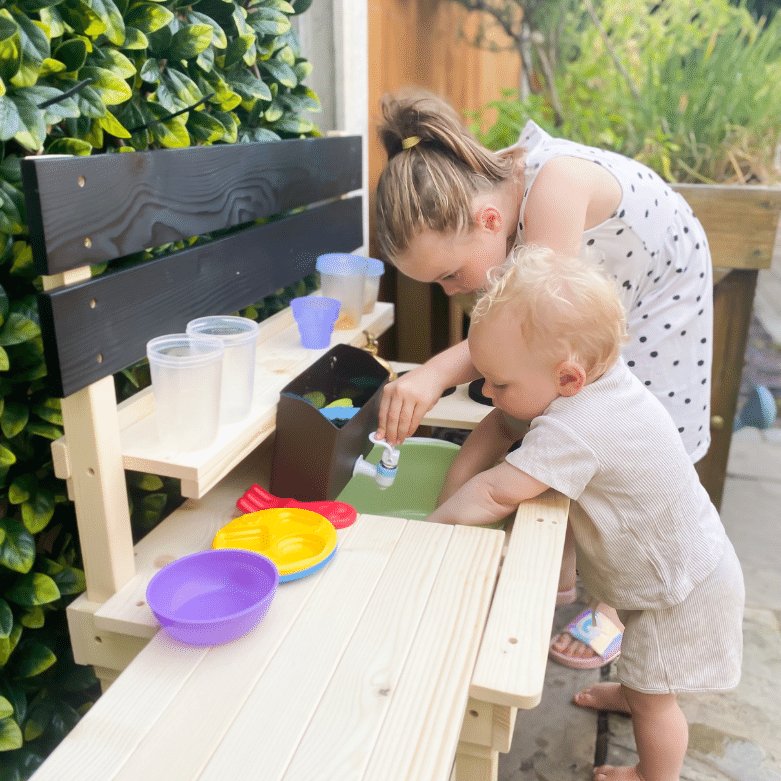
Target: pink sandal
<point>566,596</point>
<point>604,639</point>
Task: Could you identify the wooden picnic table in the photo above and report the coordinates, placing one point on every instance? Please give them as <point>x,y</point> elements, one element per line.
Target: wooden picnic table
<point>360,671</point>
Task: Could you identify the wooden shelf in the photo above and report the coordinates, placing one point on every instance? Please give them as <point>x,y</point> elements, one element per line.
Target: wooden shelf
<point>280,357</point>
<point>454,411</point>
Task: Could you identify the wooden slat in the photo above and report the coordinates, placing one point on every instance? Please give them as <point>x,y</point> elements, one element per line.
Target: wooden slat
<point>130,202</point>
<point>340,738</point>
<point>740,221</point>
<point>419,742</point>
<point>94,329</point>
<point>313,650</point>
<point>510,669</point>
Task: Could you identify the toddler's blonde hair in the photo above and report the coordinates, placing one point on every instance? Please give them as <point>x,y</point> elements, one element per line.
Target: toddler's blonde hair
<point>565,307</point>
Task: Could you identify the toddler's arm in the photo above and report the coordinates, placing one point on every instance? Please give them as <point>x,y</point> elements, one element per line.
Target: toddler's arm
<point>405,401</point>
<point>487,444</point>
<point>488,497</point>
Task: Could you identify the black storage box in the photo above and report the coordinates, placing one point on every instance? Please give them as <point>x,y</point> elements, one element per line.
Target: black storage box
<point>313,457</point>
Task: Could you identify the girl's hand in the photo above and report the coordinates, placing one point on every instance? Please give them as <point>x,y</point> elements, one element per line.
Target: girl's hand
<point>404,403</point>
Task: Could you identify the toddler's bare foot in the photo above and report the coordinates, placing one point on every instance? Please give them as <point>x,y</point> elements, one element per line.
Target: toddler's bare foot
<point>610,773</point>
<point>603,696</point>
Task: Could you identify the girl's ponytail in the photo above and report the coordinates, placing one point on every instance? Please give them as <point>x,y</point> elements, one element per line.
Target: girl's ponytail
<point>435,168</point>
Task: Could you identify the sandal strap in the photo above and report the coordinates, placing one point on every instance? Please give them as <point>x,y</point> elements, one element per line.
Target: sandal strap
<point>602,638</point>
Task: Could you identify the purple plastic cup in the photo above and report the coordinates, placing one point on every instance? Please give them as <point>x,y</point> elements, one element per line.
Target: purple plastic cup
<point>213,596</point>
<point>315,317</point>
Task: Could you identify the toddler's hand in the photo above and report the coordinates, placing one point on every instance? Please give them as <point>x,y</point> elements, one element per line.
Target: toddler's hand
<point>404,403</point>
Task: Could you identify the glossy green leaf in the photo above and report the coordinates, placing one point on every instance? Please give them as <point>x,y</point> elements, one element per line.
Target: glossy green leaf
<point>148,17</point>
<point>78,15</point>
<point>7,456</point>
<point>34,618</point>
<point>189,41</point>
<point>33,588</point>
<point>52,18</point>
<point>301,5</point>
<point>6,619</point>
<point>90,103</point>
<point>59,105</point>
<point>44,430</point>
<point>17,550</point>
<point>17,329</point>
<point>219,39</point>
<point>69,146</point>
<point>112,88</point>
<point>5,363</point>
<point>73,53</point>
<point>119,63</point>
<point>205,129</point>
<point>10,46</point>
<point>112,17</point>
<point>50,409</point>
<point>135,39</point>
<point>39,719</point>
<point>281,72</point>
<point>249,86</point>
<point>33,130</point>
<point>113,126</point>
<point>150,71</point>
<point>150,482</point>
<point>266,21</point>
<point>35,48</point>
<point>10,121</point>
<point>32,658</point>
<point>4,305</point>
<point>22,488</point>
<point>177,90</point>
<point>10,735</point>
<point>14,418</point>
<point>6,709</point>
<point>38,510</point>
<point>69,579</point>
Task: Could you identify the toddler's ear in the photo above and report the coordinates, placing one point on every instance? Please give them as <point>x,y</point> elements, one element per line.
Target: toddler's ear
<point>570,378</point>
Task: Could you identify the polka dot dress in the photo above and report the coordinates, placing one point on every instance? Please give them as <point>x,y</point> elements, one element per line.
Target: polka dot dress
<point>655,248</point>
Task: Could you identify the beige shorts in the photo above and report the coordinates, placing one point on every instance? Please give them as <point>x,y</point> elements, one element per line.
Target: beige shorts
<point>694,646</point>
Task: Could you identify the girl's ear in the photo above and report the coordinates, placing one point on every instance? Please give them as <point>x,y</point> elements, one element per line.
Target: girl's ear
<point>489,218</point>
<point>570,378</point>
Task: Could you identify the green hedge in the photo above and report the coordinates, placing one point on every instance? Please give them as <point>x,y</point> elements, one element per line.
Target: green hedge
<point>88,77</point>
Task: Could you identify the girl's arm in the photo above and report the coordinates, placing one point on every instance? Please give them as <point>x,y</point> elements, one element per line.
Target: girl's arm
<point>488,497</point>
<point>558,203</point>
<point>405,401</point>
<point>484,446</point>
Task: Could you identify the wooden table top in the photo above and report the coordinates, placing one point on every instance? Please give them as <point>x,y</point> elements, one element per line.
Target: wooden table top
<point>360,671</point>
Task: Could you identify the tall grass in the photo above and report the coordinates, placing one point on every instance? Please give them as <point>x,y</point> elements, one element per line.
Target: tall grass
<point>707,77</point>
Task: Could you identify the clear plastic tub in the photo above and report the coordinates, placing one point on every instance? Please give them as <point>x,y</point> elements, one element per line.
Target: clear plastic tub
<point>371,289</point>
<point>186,377</point>
<point>239,336</point>
<point>342,276</point>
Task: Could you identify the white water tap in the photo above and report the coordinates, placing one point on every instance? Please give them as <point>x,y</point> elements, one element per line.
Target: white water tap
<point>384,473</point>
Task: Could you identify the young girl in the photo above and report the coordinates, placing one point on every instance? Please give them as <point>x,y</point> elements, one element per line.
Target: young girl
<point>547,337</point>
<point>448,210</point>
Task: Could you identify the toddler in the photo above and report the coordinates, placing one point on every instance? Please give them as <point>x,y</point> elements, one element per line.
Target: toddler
<point>547,338</point>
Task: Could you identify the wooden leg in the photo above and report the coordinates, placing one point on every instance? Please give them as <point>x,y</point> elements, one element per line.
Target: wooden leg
<point>476,763</point>
<point>106,677</point>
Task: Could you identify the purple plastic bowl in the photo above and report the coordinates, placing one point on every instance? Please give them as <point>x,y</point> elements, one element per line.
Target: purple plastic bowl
<point>213,596</point>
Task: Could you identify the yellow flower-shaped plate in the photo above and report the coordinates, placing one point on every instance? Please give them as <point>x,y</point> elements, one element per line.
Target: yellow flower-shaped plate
<point>298,541</point>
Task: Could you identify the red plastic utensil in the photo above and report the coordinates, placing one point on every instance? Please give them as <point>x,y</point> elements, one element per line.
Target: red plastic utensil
<point>257,498</point>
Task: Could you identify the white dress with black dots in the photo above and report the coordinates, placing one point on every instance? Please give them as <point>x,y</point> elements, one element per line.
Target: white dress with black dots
<point>656,249</point>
